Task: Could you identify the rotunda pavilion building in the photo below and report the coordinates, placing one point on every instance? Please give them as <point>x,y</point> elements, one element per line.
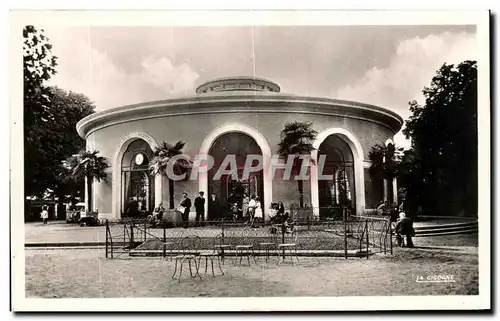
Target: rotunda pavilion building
<point>238,116</point>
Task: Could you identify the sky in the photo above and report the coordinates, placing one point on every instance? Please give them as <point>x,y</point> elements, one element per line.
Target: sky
<point>386,66</point>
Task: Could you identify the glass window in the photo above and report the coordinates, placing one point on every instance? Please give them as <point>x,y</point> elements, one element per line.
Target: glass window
<point>137,183</point>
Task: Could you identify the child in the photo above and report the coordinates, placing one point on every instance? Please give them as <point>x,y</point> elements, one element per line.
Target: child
<point>288,224</point>
<point>235,211</point>
<point>45,214</point>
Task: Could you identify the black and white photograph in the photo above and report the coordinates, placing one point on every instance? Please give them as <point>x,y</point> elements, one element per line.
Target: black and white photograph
<point>256,161</point>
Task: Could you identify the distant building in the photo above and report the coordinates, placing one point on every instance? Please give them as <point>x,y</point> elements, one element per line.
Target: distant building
<point>239,115</point>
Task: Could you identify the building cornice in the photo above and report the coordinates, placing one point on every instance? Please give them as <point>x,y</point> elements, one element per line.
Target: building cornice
<point>240,102</point>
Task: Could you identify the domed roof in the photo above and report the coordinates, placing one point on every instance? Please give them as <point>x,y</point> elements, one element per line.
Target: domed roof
<point>238,84</point>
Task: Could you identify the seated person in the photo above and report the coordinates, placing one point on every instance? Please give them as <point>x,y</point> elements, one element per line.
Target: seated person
<point>288,226</point>
<point>383,208</point>
<point>157,214</point>
<point>273,213</point>
<point>285,217</point>
<point>404,227</point>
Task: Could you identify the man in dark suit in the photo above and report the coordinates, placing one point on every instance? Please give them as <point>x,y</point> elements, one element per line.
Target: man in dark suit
<point>404,227</point>
<point>199,205</point>
<point>186,203</point>
<point>213,208</point>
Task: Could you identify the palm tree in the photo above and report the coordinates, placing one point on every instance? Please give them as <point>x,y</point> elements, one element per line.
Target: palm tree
<point>162,156</point>
<point>297,139</point>
<point>68,186</point>
<point>385,161</point>
<point>92,167</point>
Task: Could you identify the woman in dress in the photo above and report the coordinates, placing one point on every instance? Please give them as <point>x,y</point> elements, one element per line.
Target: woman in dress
<point>258,216</point>
<point>244,205</point>
<point>281,211</point>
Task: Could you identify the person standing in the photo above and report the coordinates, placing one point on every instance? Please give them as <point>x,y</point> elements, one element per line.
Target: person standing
<point>258,216</point>
<point>281,211</point>
<point>244,205</point>
<point>251,209</point>
<point>213,208</point>
<point>199,205</point>
<point>186,207</point>
<point>45,213</point>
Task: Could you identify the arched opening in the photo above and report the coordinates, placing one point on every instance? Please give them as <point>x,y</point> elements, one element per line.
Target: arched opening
<point>336,185</point>
<point>138,186</point>
<point>230,190</point>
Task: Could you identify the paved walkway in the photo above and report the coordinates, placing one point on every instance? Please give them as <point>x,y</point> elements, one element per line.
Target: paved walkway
<point>61,232</point>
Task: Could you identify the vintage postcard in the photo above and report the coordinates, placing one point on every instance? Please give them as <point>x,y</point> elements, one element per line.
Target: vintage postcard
<point>250,160</point>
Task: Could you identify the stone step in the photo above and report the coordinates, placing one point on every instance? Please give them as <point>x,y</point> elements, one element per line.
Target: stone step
<point>433,227</point>
<point>445,229</point>
<point>464,231</point>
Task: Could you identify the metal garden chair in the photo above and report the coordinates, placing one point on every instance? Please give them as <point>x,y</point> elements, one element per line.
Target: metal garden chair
<point>174,243</point>
<point>270,245</point>
<point>245,245</point>
<point>290,244</point>
<point>223,244</point>
<point>189,251</point>
<point>215,253</point>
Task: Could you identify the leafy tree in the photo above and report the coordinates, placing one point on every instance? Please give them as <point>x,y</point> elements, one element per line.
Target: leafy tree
<point>442,166</point>
<point>50,117</point>
<point>297,139</point>
<point>92,167</point>
<point>69,108</point>
<point>38,66</point>
<point>410,179</point>
<point>162,157</point>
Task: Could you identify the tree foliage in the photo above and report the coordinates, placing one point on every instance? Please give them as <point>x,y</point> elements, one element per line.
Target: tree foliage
<point>385,165</point>
<point>91,166</point>
<point>162,157</point>
<point>297,139</point>
<point>440,171</point>
<point>50,117</point>
<point>385,161</point>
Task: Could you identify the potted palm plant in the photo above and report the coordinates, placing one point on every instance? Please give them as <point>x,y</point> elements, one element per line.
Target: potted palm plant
<point>90,166</point>
<point>162,156</point>
<point>297,139</point>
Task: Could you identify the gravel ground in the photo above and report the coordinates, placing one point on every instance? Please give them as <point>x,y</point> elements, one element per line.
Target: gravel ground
<point>86,273</point>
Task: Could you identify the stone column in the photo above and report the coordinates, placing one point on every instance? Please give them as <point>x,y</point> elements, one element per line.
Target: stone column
<point>86,196</point>
<point>395,190</point>
<point>314,184</point>
<point>386,190</point>
<point>158,190</point>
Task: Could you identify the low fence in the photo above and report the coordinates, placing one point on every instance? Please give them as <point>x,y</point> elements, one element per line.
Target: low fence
<point>351,235</point>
